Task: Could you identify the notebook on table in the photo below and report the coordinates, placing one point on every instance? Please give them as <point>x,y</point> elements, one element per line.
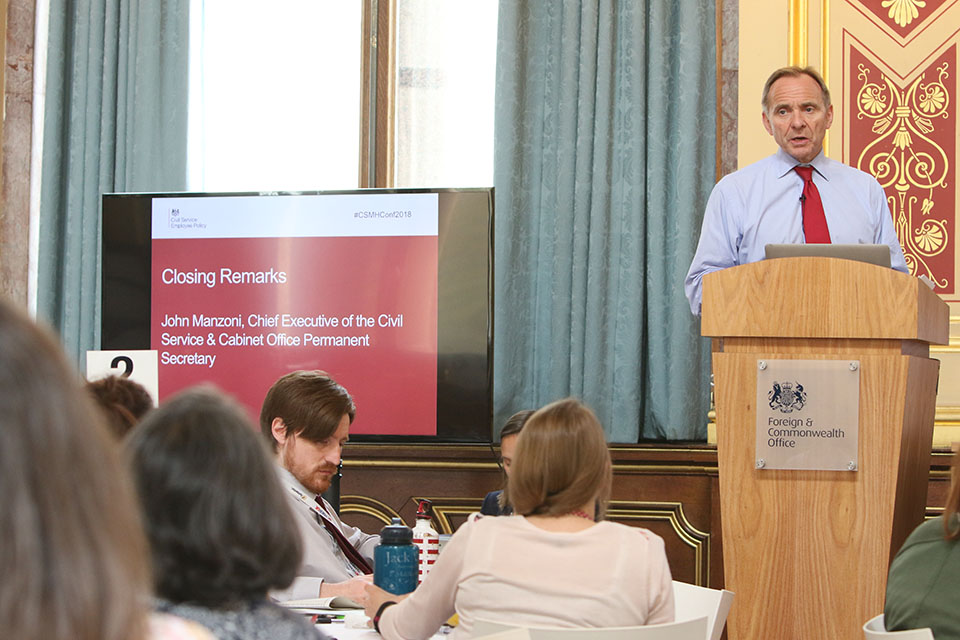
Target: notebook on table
<point>311,605</point>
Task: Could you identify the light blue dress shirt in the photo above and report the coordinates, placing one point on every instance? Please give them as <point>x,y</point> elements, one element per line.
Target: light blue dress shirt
<point>760,205</point>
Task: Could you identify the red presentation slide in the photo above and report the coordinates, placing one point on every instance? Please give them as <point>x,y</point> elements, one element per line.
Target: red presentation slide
<point>242,311</point>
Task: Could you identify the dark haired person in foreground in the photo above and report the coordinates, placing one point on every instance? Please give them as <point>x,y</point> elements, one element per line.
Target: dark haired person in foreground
<point>557,563</point>
<point>495,503</point>
<point>795,196</point>
<point>74,563</point>
<point>306,418</point>
<point>123,401</point>
<point>221,533</point>
<point>923,588</point>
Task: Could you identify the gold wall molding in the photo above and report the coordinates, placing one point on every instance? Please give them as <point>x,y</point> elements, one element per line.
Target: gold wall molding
<point>797,37</point>
<point>949,415</point>
<point>660,469</point>
<point>450,512</point>
<point>686,450</point>
<point>367,506</point>
<point>672,513</point>
<point>426,464</point>
<point>411,464</point>
<point>946,435</point>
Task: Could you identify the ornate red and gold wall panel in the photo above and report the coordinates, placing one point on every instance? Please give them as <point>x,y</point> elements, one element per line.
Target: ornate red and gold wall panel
<point>892,69</point>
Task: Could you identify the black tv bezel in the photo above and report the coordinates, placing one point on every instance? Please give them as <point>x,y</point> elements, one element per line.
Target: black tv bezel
<point>126,297</point>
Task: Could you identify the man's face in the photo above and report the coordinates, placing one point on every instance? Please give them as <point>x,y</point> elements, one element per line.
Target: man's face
<point>313,464</point>
<point>507,446</point>
<point>796,117</point>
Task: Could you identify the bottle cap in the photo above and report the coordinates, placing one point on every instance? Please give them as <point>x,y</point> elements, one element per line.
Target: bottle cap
<point>423,508</point>
<point>396,533</point>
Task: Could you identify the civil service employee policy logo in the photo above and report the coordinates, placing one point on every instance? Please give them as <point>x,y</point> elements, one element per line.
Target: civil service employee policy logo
<point>175,220</point>
<point>787,396</point>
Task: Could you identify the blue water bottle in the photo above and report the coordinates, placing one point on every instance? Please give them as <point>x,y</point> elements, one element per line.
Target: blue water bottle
<point>395,560</point>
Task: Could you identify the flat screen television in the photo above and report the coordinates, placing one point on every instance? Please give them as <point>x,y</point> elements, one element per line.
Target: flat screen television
<point>389,291</point>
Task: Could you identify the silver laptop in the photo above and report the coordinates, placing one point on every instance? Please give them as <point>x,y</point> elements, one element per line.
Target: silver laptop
<point>878,254</point>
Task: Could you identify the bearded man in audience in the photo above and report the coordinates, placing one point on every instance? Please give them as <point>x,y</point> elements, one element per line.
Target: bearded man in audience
<point>306,418</point>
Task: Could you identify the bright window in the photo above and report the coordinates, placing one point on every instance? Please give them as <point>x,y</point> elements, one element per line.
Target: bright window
<point>275,94</point>
<point>446,55</point>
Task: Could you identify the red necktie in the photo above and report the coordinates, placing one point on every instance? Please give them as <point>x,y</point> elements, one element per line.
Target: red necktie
<point>815,229</point>
<point>348,549</point>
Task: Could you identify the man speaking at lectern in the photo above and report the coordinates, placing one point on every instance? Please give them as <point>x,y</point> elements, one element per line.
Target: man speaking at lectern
<point>796,195</point>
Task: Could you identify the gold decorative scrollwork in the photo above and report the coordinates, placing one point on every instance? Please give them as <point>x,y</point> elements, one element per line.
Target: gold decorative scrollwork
<point>903,157</point>
<point>638,513</point>
<point>903,12</point>
<point>368,507</point>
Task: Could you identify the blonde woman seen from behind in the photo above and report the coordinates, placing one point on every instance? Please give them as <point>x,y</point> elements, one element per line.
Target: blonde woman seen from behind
<point>556,563</point>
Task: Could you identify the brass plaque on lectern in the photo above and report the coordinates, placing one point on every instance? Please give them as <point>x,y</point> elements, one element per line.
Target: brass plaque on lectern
<point>808,414</point>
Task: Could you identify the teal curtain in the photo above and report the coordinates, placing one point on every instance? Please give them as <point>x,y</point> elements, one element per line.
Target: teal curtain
<point>604,158</point>
<point>115,120</point>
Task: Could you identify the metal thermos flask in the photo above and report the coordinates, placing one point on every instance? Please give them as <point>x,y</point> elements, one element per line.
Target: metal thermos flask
<point>396,559</point>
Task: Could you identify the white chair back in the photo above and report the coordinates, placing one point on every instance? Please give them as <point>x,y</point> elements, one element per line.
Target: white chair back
<point>685,630</point>
<point>693,601</point>
<point>873,629</point>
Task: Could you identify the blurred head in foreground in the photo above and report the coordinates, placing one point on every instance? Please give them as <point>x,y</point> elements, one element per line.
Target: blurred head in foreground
<point>219,527</point>
<point>73,559</point>
<point>951,511</point>
<point>123,401</point>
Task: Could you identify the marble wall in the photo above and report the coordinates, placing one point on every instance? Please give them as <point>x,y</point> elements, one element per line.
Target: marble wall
<point>728,46</point>
<point>16,134</point>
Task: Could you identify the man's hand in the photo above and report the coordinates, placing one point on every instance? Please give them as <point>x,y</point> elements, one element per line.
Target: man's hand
<point>352,588</point>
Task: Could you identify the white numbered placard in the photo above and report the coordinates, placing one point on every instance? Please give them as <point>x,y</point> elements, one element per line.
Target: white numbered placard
<point>138,365</point>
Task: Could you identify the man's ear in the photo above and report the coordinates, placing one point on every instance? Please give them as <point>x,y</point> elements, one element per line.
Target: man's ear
<point>279,430</point>
<point>766,122</point>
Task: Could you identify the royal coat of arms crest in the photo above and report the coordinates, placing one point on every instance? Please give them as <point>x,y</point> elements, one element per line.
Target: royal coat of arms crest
<point>787,397</point>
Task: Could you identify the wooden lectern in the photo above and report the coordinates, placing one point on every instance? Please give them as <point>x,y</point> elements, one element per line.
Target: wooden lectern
<point>807,552</point>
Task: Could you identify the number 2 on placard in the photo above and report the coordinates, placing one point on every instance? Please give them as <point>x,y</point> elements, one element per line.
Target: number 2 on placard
<point>127,365</point>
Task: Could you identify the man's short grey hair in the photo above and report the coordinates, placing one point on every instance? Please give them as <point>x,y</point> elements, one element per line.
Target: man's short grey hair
<point>794,72</point>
